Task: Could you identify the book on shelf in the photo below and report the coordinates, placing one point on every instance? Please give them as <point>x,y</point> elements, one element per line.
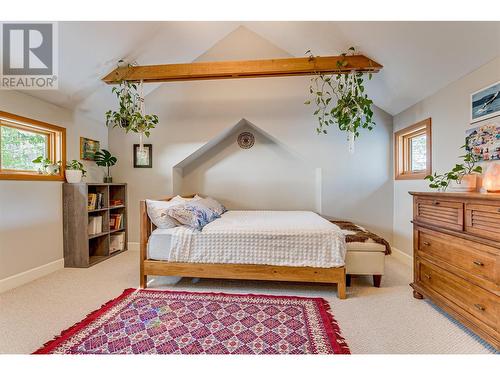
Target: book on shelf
<point>92,201</point>
<point>116,242</point>
<point>115,202</point>
<point>100,200</point>
<point>95,201</point>
<point>115,221</point>
<point>95,225</point>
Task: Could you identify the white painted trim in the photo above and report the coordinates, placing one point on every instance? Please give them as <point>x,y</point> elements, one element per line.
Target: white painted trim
<point>25,277</point>
<point>134,246</point>
<point>402,257</point>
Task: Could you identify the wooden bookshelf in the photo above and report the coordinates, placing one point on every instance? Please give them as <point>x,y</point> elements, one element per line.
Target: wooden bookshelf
<point>82,249</point>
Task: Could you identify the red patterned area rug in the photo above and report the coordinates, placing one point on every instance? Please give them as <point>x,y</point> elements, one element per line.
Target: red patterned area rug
<point>164,322</point>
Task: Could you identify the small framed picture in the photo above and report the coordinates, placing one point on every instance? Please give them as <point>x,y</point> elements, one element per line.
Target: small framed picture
<point>143,159</point>
<point>485,103</point>
<point>88,148</point>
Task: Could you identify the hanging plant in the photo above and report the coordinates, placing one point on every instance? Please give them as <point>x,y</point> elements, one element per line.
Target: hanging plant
<point>340,99</point>
<point>130,115</point>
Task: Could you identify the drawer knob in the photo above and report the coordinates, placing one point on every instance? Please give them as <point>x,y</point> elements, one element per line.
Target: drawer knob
<point>478,263</point>
<point>425,243</point>
<point>479,307</point>
<point>427,276</point>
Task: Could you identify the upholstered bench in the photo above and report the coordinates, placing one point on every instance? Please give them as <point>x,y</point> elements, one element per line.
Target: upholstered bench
<point>365,252</point>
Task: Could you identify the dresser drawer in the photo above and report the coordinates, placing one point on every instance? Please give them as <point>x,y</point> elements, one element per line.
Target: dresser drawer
<point>473,299</point>
<point>466,255</point>
<point>483,220</point>
<point>442,213</point>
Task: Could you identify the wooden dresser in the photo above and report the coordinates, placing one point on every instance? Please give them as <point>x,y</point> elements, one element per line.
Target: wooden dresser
<point>456,247</point>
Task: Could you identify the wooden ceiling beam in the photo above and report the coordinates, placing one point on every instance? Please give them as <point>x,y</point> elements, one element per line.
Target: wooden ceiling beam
<point>241,69</point>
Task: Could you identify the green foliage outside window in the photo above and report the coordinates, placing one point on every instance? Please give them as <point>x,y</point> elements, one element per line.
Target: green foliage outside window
<point>19,148</point>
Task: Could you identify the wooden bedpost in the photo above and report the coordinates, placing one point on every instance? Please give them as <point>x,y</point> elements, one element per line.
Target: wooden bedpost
<point>145,229</point>
<point>341,286</point>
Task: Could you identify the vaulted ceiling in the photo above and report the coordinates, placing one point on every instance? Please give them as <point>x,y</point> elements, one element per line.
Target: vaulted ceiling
<point>419,58</point>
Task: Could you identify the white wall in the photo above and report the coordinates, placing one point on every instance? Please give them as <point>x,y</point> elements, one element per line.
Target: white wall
<point>357,187</point>
<point>449,109</point>
<point>266,176</point>
<point>31,211</point>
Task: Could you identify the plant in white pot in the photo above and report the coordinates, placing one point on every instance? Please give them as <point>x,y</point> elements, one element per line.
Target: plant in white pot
<point>74,172</point>
<point>47,166</point>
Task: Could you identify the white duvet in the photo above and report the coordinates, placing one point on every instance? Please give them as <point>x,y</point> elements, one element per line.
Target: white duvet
<point>282,238</point>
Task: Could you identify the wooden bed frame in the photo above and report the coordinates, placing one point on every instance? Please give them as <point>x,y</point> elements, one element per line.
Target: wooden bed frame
<point>231,271</point>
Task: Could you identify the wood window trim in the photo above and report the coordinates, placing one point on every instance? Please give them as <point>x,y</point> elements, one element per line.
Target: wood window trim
<point>402,155</point>
<point>56,146</point>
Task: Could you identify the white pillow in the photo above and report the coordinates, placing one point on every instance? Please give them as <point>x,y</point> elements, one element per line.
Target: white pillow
<point>178,199</point>
<point>157,212</point>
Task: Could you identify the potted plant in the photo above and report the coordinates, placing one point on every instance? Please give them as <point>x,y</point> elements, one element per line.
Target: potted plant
<point>130,114</point>
<point>74,172</point>
<point>467,172</point>
<point>463,177</point>
<point>47,166</point>
<point>340,98</point>
<point>103,158</point>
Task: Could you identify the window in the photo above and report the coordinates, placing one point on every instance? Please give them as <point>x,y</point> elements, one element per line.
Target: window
<point>22,140</point>
<point>412,151</point>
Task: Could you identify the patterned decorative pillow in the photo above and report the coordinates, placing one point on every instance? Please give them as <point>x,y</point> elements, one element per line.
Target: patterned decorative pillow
<point>214,205</point>
<point>157,212</point>
<point>193,214</point>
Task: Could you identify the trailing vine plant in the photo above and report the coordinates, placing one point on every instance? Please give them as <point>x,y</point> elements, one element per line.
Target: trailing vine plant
<point>130,114</point>
<point>441,182</point>
<point>340,99</point>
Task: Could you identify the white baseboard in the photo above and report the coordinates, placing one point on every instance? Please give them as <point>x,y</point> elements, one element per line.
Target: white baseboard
<point>402,257</point>
<point>134,246</point>
<point>22,278</point>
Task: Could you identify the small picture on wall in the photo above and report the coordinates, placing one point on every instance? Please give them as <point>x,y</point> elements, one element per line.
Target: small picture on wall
<point>485,103</point>
<point>484,140</point>
<point>88,148</point>
<point>143,159</point>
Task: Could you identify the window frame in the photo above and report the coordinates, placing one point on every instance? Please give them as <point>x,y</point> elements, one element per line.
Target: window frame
<point>402,151</point>
<point>56,146</point>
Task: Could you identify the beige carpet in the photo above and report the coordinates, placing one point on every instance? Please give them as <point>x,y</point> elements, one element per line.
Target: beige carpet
<point>385,320</point>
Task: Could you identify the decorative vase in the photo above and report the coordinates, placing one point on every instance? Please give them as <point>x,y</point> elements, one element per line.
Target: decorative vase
<point>107,179</point>
<point>466,184</point>
<point>73,176</point>
<point>52,169</point>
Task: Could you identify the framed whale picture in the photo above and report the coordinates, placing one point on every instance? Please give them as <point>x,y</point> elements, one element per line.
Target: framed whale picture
<point>485,103</point>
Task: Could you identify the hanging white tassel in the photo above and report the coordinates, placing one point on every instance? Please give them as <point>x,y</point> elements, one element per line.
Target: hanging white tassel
<point>141,109</point>
<point>141,144</point>
<point>350,133</point>
<point>350,141</point>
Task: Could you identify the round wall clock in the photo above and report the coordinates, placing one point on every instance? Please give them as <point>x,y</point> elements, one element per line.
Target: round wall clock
<point>246,140</point>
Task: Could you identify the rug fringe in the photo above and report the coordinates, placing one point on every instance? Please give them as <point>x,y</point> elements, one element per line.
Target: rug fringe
<point>67,333</point>
<point>332,327</point>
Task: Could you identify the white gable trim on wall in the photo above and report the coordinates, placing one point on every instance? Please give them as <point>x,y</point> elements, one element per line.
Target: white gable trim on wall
<point>178,169</point>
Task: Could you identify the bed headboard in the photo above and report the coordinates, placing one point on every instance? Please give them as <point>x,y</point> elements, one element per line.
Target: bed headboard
<point>146,226</point>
